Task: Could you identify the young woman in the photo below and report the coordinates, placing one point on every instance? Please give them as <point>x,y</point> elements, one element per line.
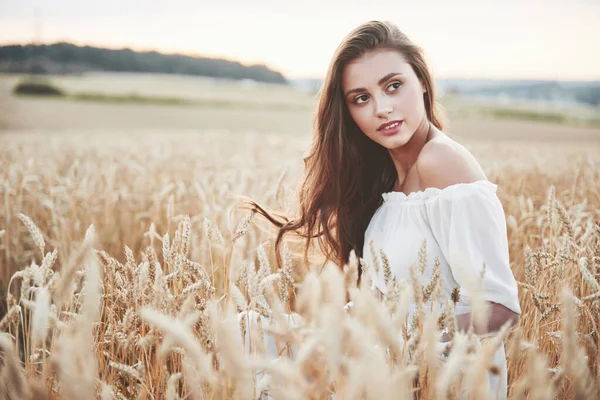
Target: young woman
<point>382,169</point>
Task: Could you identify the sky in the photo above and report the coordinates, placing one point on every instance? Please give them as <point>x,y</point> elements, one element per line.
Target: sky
<point>504,39</point>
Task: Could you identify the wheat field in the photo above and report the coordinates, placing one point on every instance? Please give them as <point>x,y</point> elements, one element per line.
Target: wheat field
<point>126,262</point>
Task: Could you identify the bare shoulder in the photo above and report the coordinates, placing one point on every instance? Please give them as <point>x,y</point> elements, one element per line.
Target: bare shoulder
<point>444,162</point>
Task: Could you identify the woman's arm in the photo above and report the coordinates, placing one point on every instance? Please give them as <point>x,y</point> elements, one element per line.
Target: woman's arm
<point>499,315</point>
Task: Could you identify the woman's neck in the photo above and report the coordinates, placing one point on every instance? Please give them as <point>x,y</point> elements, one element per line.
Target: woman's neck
<point>404,157</point>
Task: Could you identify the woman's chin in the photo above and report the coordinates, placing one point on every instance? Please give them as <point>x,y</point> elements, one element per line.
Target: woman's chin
<point>395,141</point>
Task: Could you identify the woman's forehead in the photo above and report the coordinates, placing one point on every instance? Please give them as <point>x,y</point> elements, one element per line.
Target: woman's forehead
<point>368,69</point>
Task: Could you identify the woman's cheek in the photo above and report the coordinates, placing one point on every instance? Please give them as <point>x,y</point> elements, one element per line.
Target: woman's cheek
<point>413,105</point>
<point>362,119</point>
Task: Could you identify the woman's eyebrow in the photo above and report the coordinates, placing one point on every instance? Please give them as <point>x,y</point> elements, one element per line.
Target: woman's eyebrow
<point>381,81</point>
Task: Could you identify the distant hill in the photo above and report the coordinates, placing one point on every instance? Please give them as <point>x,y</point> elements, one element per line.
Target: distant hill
<point>584,92</point>
<point>66,58</point>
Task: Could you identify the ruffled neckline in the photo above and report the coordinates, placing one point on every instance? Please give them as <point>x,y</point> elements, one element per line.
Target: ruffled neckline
<point>422,195</point>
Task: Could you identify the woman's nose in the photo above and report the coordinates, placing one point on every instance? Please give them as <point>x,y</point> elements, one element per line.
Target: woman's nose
<point>384,108</point>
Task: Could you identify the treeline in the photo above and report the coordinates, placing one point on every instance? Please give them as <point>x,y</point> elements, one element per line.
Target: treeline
<point>65,58</point>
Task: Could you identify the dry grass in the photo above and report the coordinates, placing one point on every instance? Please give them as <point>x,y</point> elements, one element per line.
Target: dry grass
<point>183,87</point>
<point>124,263</point>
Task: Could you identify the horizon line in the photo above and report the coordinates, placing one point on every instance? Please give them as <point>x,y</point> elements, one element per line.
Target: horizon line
<point>265,64</point>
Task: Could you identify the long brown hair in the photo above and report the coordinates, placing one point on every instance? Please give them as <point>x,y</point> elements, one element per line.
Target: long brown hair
<point>345,171</point>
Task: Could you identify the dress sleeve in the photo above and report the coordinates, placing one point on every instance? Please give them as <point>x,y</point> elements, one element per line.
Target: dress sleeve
<point>468,222</point>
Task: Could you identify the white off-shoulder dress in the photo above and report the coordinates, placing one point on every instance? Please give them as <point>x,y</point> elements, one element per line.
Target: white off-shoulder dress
<point>464,226</point>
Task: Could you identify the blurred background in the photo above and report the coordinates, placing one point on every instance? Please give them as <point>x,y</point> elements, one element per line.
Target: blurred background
<point>503,69</point>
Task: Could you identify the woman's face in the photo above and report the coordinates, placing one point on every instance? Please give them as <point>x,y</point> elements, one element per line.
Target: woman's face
<point>384,97</point>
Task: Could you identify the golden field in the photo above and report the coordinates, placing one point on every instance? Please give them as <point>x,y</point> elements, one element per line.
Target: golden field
<point>124,261</point>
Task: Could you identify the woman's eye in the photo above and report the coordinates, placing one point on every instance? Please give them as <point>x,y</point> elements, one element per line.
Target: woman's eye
<point>394,86</point>
<point>361,99</point>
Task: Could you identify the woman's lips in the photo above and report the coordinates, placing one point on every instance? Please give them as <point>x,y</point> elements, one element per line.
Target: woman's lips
<point>391,129</point>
